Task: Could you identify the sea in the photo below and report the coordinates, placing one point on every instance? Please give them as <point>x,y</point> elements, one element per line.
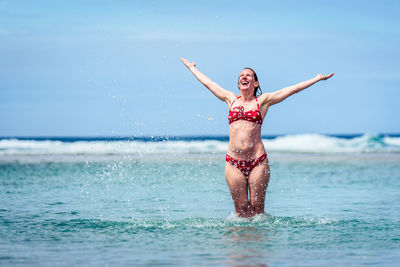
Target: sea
<point>332,200</point>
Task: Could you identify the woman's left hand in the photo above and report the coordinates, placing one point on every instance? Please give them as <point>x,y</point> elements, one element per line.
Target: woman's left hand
<point>324,77</point>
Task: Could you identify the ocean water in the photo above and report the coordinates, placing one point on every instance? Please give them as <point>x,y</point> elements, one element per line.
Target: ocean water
<point>332,200</point>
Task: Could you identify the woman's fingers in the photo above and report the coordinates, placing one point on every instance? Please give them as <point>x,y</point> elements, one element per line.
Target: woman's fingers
<point>330,75</point>
<point>325,77</point>
<point>184,61</point>
<point>187,63</point>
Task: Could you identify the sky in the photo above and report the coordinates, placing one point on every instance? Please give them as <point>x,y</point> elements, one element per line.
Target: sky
<point>112,68</point>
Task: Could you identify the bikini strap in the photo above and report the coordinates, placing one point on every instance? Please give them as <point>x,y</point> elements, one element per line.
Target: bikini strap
<point>258,106</point>
<point>234,102</point>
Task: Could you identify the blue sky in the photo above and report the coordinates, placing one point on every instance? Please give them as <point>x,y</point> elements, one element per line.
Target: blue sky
<point>95,68</point>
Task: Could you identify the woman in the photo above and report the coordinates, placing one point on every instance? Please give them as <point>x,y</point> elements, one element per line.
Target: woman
<point>246,169</point>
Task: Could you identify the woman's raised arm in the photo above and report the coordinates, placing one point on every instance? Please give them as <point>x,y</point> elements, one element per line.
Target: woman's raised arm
<point>280,95</point>
<point>217,90</point>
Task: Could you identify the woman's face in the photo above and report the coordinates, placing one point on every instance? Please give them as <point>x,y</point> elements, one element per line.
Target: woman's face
<point>246,80</point>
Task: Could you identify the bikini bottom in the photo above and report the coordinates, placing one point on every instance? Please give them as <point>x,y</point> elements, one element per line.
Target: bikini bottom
<point>246,166</point>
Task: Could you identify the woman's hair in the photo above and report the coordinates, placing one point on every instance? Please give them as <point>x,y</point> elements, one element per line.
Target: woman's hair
<point>257,90</point>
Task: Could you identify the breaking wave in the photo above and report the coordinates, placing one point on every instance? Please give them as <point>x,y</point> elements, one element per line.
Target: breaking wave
<point>303,143</point>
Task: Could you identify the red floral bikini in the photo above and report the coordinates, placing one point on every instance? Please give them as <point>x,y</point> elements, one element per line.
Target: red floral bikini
<point>238,113</point>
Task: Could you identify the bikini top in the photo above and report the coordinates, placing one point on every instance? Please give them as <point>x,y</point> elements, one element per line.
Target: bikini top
<point>238,113</point>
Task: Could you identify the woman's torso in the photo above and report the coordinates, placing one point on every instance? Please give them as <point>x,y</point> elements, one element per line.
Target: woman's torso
<point>245,130</point>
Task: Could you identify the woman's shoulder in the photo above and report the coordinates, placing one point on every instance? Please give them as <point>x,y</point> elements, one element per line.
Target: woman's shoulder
<point>263,99</point>
<point>232,97</point>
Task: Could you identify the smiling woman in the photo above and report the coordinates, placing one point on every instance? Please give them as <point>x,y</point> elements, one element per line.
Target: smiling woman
<point>257,89</point>
<point>247,170</point>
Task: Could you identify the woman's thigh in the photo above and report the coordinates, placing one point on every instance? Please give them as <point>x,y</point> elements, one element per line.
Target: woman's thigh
<point>258,183</point>
<point>238,186</point>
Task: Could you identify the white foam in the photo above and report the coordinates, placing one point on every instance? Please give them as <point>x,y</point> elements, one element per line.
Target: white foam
<point>316,143</point>
<point>26,147</point>
<point>305,143</point>
<point>393,141</point>
<point>302,143</point>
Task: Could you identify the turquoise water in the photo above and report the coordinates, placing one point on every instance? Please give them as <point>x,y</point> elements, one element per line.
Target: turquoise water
<point>172,206</point>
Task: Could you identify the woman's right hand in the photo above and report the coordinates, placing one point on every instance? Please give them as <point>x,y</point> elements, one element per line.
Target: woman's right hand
<point>187,63</point>
<point>216,89</point>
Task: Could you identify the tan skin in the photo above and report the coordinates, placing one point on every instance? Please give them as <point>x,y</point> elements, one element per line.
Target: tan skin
<point>248,193</point>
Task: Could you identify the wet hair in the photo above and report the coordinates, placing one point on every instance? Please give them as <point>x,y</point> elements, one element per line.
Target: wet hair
<point>257,90</point>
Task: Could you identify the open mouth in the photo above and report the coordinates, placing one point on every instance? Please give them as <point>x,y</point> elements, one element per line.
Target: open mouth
<point>245,83</point>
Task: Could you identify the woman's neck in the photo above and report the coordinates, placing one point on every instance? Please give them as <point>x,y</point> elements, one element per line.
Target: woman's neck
<point>247,96</point>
